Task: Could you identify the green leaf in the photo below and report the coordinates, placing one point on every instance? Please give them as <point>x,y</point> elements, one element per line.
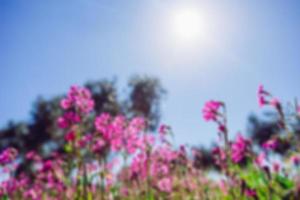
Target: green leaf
<point>150,196</point>
<point>284,182</point>
<point>5,197</point>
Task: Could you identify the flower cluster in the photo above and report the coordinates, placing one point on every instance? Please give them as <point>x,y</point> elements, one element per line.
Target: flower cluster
<point>8,155</point>
<point>115,157</point>
<point>265,98</point>
<point>211,110</point>
<point>119,133</point>
<point>78,98</point>
<point>240,148</point>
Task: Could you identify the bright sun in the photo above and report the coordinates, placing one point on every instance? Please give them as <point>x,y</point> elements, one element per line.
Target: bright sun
<point>187,24</point>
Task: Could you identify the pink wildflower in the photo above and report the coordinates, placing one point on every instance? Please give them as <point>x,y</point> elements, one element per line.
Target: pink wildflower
<point>250,193</point>
<point>163,129</point>
<point>261,96</point>
<point>275,102</point>
<point>47,165</point>
<point>270,144</point>
<point>8,156</point>
<point>165,184</point>
<point>211,110</point>
<point>84,140</point>
<point>223,186</point>
<point>219,156</point>
<point>65,104</point>
<point>79,98</point>
<point>102,121</point>
<point>32,155</point>
<point>222,128</point>
<point>295,160</point>
<point>239,148</point>
<point>70,136</point>
<point>68,119</point>
<point>260,159</point>
<point>98,145</point>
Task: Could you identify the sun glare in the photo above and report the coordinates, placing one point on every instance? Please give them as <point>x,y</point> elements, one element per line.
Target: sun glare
<point>187,24</point>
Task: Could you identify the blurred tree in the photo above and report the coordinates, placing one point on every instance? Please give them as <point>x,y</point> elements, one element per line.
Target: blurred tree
<point>144,99</point>
<point>262,129</point>
<point>105,96</point>
<point>42,135</point>
<point>203,158</point>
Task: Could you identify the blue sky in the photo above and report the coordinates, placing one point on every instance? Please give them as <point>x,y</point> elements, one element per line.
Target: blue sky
<point>45,46</point>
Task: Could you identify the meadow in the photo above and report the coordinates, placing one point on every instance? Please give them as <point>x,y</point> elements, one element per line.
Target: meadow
<point>116,157</point>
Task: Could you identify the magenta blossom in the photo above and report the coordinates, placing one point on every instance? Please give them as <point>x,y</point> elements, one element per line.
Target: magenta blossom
<point>270,144</point>
<point>120,133</point>
<point>68,119</point>
<point>260,159</point>
<point>78,98</point>
<point>239,148</point>
<point>276,167</point>
<point>163,129</point>
<point>8,156</point>
<point>250,193</point>
<point>165,184</point>
<point>70,136</point>
<point>261,95</point>
<point>265,98</point>
<point>295,160</point>
<point>275,102</point>
<point>32,155</point>
<point>98,146</point>
<point>219,156</point>
<point>211,110</point>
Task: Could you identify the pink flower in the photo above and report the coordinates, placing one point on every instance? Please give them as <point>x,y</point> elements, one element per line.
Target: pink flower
<point>8,156</point>
<point>163,129</point>
<point>276,167</point>
<point>223,186</point>
<point>250,193</point>
<point>219,156</point>
<point>261,90</point>
<point>275,102</point>
<point>239,148</point>
<point>261,96</point>
<point>260,159</point>
<point>270,144</point>
<point>98,145</point>
<point>68,119</point>
<point>70,136</point>
<point>119,133</point>
<point>31,194</point>
<point>32,155</point>
<point>295,159</point>
<point>65,104</point>
<point>47,165</point>
<point>222,128</point>
<point>101,123</point>
<point>78,98</point>
<point>62,122</point>
<point>261,101</point>
<point>165,184</point>
<point>211,110</point>
<point>84,140</point>
<point>265,98</point>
